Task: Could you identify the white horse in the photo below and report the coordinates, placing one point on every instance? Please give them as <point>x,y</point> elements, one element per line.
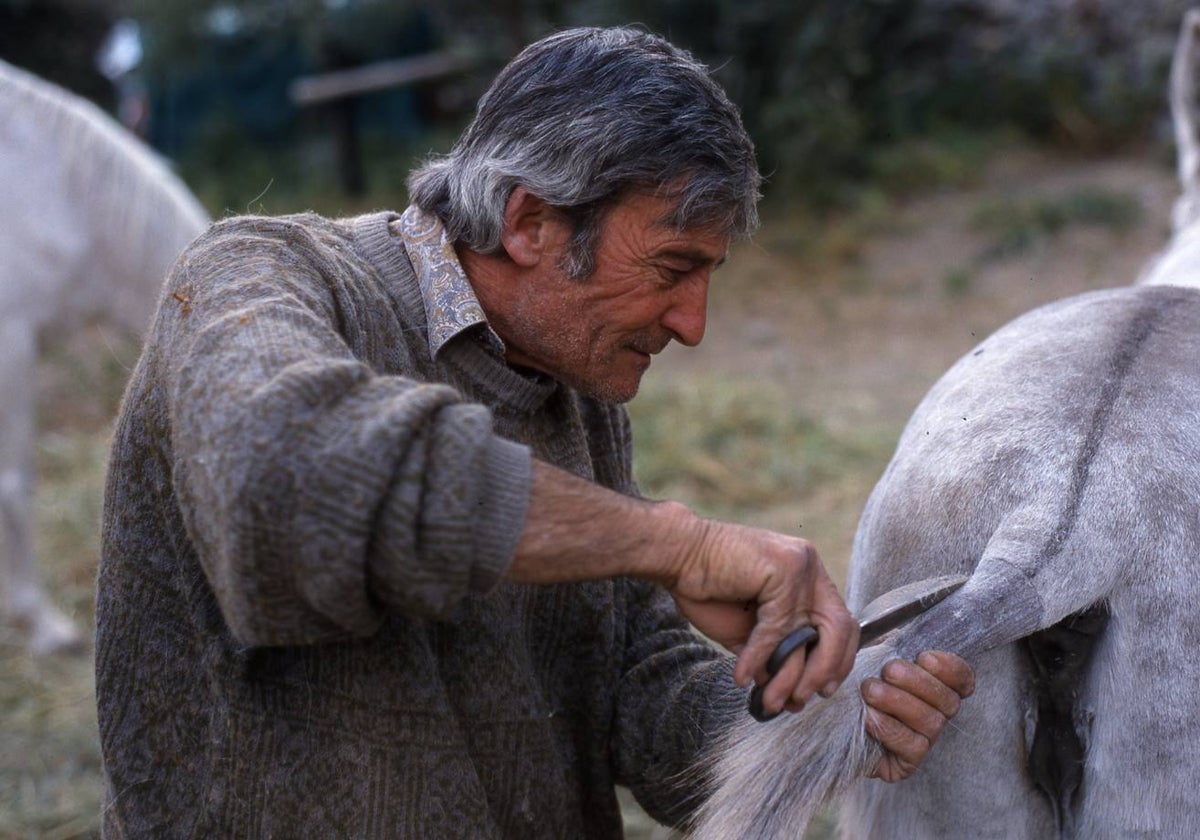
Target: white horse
<point>1058,464</point>
<point>90,221</point>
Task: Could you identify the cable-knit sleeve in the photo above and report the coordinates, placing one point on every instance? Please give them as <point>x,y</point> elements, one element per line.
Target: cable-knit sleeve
<point>675,692</point>
<point>319,493</point>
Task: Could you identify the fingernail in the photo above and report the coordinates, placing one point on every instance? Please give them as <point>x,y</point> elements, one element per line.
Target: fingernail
<point>829,689</point>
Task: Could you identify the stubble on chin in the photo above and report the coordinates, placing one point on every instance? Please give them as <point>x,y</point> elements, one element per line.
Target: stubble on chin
<point>612,385</point>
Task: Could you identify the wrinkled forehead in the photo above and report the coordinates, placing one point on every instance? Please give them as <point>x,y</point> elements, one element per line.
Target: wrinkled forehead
<point>659,226</point>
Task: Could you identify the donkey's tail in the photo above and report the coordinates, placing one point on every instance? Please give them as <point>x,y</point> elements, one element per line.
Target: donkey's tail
<point>770,779</point>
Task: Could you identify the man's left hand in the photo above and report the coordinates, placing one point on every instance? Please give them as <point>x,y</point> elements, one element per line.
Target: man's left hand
<point>910,705</point>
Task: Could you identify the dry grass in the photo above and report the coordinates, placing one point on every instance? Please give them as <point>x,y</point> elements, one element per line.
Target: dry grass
<point>821,341</point>
<point>49,757</point>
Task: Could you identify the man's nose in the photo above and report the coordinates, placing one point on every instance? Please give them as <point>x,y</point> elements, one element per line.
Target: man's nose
<point>688,312</point>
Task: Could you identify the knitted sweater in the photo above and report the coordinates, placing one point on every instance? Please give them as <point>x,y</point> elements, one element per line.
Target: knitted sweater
<point>317,480</point>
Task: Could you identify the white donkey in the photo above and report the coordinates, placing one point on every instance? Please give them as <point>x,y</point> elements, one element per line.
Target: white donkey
<point>90,220</point>
<point>1058,464</point>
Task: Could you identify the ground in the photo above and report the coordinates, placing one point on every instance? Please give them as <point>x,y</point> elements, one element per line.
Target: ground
<point>822,338</point>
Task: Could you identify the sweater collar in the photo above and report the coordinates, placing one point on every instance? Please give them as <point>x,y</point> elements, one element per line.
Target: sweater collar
<point>458,335</point>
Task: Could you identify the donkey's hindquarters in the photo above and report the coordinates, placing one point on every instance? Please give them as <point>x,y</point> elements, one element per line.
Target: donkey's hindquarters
<point>1058,464</point>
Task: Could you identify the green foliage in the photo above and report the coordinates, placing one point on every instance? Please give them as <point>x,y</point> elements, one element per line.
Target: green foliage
<point>957,282</point>
<point>231,176</point>
<point>841,92</point>
<point>177,31</point>
<point>950,157</point>
<point>838,94</point>
<point>1016,226</point>
<point>732,447</point>
<point>50,756</point>
<point>1116,211</point>
<point>180,31</point>
<point>49,748</point>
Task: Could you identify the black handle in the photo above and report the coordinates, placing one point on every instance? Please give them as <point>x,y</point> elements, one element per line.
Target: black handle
<point>798,638</point>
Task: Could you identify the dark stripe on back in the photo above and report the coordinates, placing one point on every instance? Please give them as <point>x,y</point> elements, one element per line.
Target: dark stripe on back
<point>1140,328</point>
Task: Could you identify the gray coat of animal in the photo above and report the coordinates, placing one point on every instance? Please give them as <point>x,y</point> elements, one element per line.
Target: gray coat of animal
<point>90,220</point>
<point>1058,463</point>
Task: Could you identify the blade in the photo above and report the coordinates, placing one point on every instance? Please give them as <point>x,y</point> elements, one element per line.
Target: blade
<point>891,609</point>
<point>885,613</point>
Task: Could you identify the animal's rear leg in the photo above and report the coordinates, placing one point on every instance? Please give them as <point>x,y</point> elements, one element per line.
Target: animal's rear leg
<point>25,605</point>
<point>1142,772</point>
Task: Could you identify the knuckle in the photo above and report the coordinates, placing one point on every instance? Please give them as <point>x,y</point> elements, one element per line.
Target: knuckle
<point>953,671</point>
<point>891,732</point>
<point>932,725</point>
<point>895,671</point>
<point>799,555</point>
<point>900,739</point>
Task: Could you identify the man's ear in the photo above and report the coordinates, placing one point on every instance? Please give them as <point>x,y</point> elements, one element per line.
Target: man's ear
<point>532,229</point>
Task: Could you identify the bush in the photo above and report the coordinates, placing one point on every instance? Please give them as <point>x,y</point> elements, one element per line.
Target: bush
<point>829,88</point>
<point>838,93</point>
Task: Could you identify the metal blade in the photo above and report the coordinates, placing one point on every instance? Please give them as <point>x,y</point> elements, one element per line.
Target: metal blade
<point>885,613</point>
<point>891,609</point>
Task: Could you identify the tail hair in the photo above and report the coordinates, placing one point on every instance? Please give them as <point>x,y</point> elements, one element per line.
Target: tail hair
<point>770,779</point>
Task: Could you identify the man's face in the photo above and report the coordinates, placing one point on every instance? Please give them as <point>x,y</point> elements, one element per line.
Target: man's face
<point>650,285</point>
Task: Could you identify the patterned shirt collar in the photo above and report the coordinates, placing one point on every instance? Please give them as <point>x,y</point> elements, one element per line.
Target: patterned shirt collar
<point>451,307</point>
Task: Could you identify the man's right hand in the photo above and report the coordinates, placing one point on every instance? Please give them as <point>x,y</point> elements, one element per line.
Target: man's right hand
<point>743,587</point>
<point>746,589</point>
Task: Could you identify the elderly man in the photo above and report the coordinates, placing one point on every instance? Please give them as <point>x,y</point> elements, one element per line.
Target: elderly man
<point>374,562</point>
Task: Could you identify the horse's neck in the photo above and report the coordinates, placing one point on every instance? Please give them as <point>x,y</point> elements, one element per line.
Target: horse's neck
<point>92,220</point>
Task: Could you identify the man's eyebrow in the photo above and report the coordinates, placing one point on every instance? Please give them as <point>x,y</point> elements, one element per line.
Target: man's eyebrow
<point>693,255</point>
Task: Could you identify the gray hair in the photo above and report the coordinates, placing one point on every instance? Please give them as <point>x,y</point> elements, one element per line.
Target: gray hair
<point>583,118</point>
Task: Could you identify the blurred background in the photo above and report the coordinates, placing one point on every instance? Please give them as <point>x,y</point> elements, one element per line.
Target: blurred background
<point>835,92</point>
<point>935,167</point>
